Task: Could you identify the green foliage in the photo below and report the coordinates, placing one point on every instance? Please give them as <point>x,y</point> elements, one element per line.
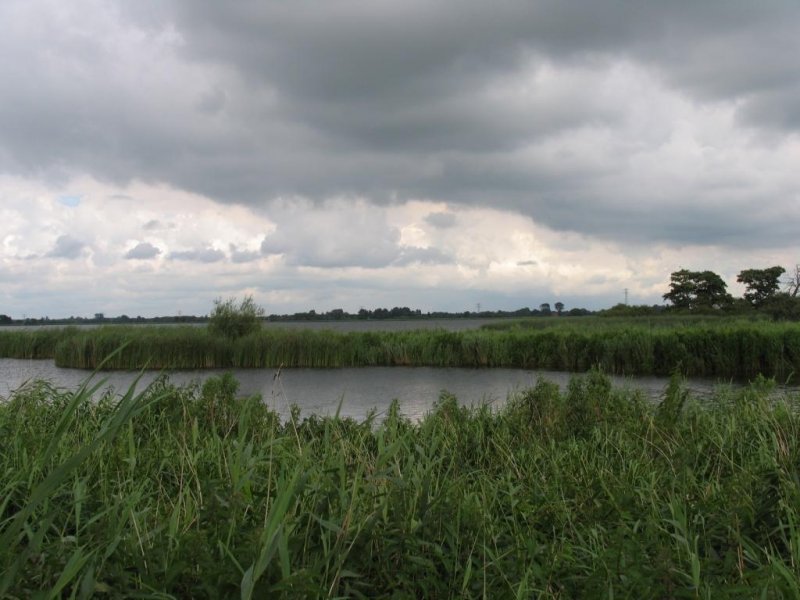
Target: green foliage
<point>697,289</point>
<point>782,307</point>
<point>761,284</point>
<point>675,396</point>
<point>632,310</point>
<point>683,289</point>
<point>194,492</point>
<point>234,321</point>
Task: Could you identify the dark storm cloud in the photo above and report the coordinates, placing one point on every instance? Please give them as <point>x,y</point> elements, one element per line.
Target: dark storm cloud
<point>381,57</point>
<point>66,246</point>
<point>247,101</point>
<point>142,251</point>
<point>212,101</point>
<point>441,220</point>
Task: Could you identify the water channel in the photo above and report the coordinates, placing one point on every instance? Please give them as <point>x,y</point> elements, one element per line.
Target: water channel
<point>359,390</point>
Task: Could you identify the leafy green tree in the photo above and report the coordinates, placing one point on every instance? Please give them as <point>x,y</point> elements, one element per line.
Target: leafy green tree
<point>697,289</point>
<point>761,284</point>
<point>682,289</point>
<point>544,308</point>
<point>559,306</point>
<point>5,320</point>
<point>711,291</point>
<point>231,320</point>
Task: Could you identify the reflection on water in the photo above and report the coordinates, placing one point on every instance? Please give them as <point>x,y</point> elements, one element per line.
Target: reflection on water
<point>358,390</point>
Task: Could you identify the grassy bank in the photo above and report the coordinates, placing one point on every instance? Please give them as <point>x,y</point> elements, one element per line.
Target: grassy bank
<point>192,493</point>
<point>725,349</point>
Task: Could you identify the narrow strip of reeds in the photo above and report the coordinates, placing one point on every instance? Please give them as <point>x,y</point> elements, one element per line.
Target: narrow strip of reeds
<point>739,350</point>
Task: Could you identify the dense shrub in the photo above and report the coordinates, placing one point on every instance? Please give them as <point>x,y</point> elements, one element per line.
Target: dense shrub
<point>234,321</point>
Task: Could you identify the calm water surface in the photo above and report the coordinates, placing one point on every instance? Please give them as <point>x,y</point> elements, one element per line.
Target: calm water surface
<point>320,391</point>
<point>343,326</point>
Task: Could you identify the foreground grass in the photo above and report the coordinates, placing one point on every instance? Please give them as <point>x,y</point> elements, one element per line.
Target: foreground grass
<point>193,493</point>
<point>708,348</point>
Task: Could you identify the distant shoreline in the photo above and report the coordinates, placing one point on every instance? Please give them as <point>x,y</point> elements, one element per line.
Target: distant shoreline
<point>336,315</point>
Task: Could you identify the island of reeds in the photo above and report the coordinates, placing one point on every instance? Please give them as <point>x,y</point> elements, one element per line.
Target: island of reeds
<point>193,492</point>
<point>723,348</point>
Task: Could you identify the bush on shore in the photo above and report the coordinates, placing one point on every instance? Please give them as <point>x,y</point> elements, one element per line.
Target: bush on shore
<point>234,321</point>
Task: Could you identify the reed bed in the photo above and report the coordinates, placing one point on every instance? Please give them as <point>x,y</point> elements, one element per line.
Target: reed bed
<point>610,323</point>
<point>32,343</point>
<point>188,492</point>
<point>736,349</point>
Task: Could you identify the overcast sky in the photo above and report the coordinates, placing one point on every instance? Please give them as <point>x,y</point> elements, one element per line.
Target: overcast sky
<point>155,155</point>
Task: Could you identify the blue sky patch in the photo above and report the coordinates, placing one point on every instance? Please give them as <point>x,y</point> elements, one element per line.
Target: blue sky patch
<point>71,201</point>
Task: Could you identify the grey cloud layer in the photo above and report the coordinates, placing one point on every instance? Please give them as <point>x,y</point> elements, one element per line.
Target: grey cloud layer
<point>67,246</point>
<point>441,220</point>
<point>142,251</point>
<point>248,101</point>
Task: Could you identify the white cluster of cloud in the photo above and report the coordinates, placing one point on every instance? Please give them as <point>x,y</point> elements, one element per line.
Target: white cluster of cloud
<point>129,254</point>
<point>157,154</point>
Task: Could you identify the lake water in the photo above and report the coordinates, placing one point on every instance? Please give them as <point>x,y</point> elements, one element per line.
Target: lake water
<point>343,326</point>
<point>359,390</point>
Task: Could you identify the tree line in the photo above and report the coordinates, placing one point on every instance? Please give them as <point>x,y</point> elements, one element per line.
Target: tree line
<point>336,314</point>
<point>404,312</point>
<point>706,291</point>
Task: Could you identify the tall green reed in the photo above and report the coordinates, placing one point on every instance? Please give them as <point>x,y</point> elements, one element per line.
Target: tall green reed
<point>196,492</point>
<point>739,350</point>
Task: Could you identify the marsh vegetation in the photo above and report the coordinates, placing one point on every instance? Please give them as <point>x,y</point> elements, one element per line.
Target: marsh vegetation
<point>193,492</point>
<point>715,347</point>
